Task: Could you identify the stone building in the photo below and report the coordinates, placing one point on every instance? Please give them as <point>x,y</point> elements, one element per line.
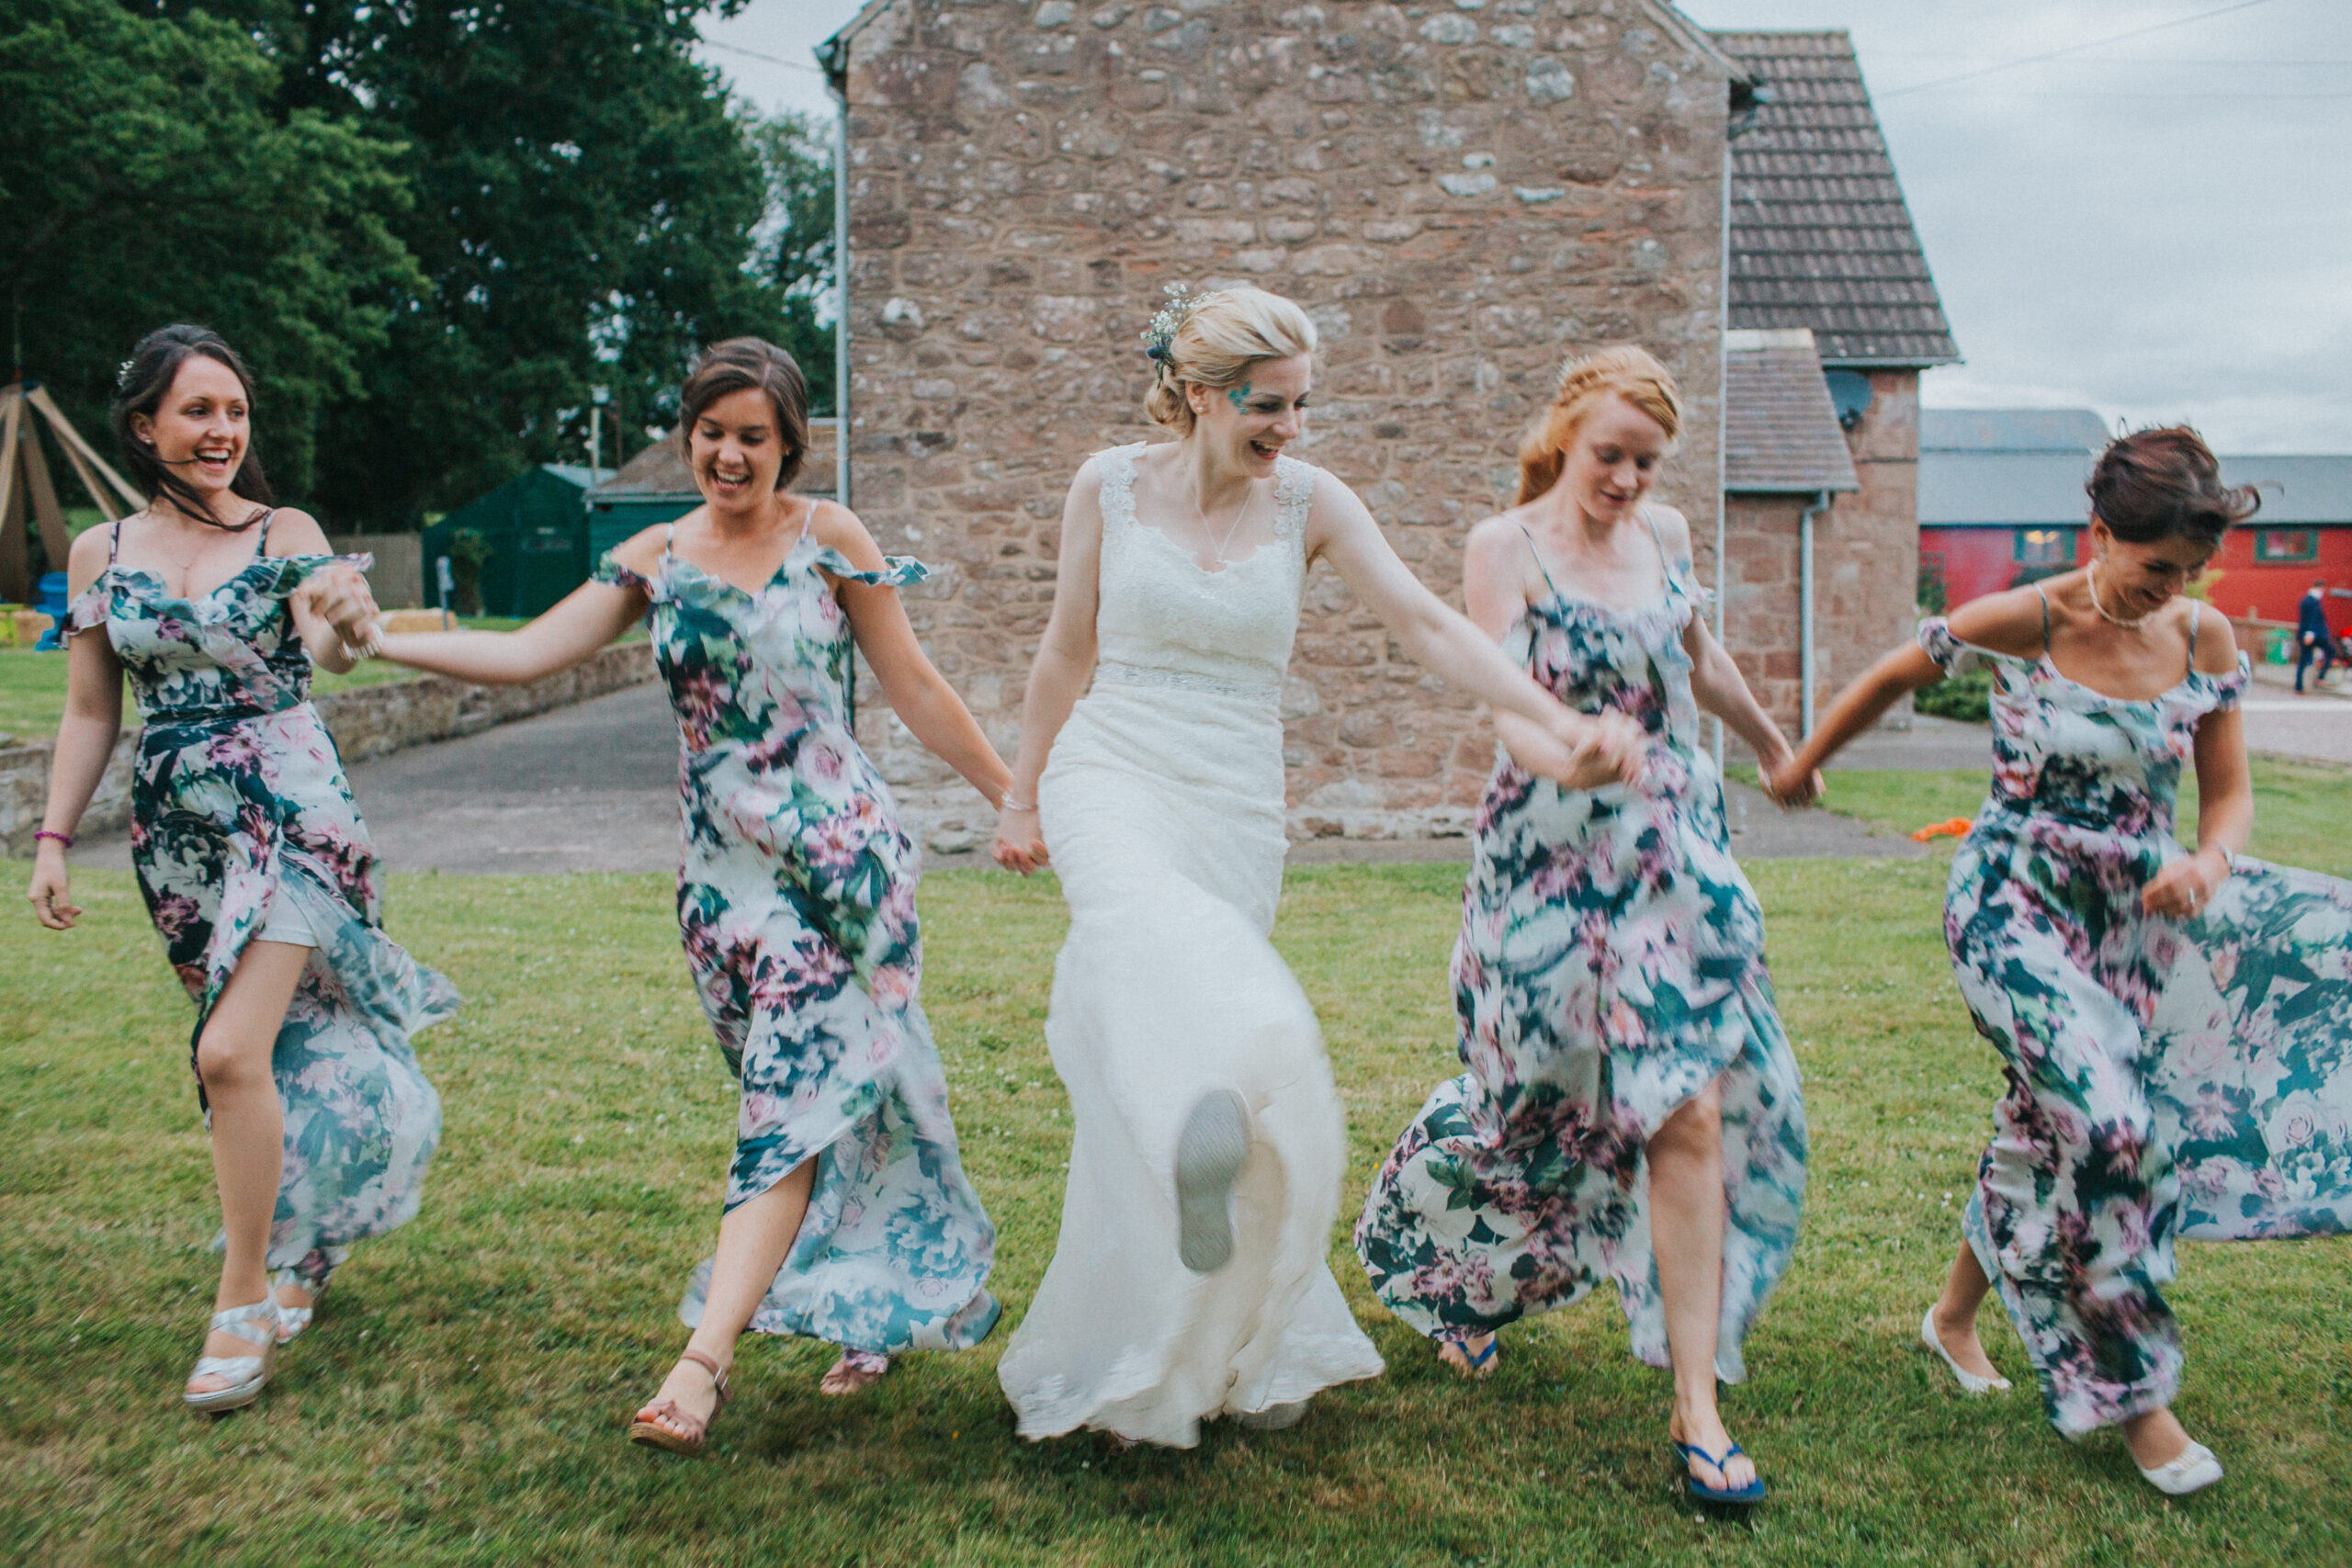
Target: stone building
<point>1820,239</point>
<point>1460,193</point>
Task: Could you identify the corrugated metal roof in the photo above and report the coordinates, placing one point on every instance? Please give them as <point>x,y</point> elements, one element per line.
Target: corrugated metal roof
<point>2045,489</point>
<point>1780,432</point>
<point>2014,490</point>
<point>2296,490</point>
<point>1820,236</point>
<point>2011,430</point>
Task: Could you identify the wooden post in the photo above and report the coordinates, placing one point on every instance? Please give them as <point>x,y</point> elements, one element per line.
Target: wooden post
<point>55,542</point>
<point>71,439</point>
<point>15,567</point>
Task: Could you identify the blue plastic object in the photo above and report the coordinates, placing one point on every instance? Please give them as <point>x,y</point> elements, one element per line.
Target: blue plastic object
<point>49,598</point>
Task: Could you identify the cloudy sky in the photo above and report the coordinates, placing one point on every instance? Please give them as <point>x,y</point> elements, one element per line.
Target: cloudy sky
<point>2156,226</point>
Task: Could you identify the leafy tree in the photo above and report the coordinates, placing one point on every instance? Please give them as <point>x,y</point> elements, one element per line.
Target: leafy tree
<point>584,208</point>
<point>794,250</point>
<point>147,176</point>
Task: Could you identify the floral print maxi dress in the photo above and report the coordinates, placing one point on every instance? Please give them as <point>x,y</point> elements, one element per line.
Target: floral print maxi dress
<point>1610,965</point>
<point>2165,1079</point>
<point>796,903</point>
<point>238,800</point>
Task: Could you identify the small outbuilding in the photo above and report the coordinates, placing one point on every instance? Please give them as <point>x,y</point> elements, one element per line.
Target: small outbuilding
<point>536,524</point>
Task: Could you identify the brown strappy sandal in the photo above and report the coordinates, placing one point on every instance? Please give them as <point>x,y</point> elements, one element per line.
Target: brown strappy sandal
<point>644,1428</point>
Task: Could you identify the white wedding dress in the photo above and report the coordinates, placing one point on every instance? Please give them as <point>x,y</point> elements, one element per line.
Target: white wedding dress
<point>1162,809</point>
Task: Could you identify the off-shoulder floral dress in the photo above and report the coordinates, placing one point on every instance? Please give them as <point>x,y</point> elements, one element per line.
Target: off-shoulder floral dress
<point>2166,1077</point>
<point>1611,966</point>
<point>796,903</point>
<point>239,805</point>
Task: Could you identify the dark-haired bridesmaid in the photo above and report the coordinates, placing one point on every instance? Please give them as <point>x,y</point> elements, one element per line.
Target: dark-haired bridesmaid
<point>251,854</point>
<point>848,1216</point>
<point>2175,1026</point>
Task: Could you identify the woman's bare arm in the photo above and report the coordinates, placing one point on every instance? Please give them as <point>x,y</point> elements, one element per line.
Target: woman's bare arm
<point>583,621</point>
<point>917,693</point>
<point>1065,663</point>
<point>1583,752</point>
<point>86,738</point>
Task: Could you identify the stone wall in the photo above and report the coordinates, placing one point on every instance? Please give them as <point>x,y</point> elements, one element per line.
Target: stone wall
<point>366,721</point>
<point>1461,195</point>
<point>1865,551</point>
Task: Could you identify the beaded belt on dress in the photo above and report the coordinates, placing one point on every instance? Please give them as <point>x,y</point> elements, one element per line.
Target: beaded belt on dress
<point>1111,672</point>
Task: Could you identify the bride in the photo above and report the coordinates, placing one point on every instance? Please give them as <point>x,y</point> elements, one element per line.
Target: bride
<point>1190,1277</point>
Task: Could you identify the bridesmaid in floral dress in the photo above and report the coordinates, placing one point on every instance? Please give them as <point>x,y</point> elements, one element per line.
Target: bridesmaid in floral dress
<point>251,854</point>
<point>848,1216</point>
<point>2175,1027</point>
<point>1632,1112</point>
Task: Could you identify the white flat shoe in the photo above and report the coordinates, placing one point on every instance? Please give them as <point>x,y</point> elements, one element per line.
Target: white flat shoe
<point>2194,1470</point>
<point>256,1325</point>
<point>1970,1383</point>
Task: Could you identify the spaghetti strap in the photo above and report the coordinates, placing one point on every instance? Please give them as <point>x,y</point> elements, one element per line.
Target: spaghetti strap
<point>2045,618</point>
<point>261,546</point>
<point>113,541</point>
<point>2192,636</point>
<point>669,538</point>
<point>1539,562</point>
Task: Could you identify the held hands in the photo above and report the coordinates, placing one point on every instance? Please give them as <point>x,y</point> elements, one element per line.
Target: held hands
<point>341,596</point>
<point>2186,885</point>
<point>1788,786</point>
<point>1019,844</point>
<point>1603,748</point>
<point>49,895</point>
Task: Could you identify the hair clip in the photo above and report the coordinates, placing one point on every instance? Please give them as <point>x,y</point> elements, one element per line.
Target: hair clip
<point>122,375</point>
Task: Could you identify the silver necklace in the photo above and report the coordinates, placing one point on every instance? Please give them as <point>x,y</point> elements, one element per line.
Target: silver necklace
<point>2090,576</point>
<point>1218,555</point>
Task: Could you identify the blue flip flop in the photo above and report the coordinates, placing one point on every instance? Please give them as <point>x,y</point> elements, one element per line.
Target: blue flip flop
<point>1477,1364</point>
<point>1744,1496</point>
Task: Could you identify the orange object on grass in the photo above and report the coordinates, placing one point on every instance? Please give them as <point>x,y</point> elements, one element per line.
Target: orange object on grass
<point>1957,827</point>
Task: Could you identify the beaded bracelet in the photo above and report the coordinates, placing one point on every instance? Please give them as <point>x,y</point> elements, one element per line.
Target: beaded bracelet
<point>64,839</point>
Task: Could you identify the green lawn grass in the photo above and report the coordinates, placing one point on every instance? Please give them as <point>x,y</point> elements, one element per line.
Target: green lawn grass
<point>461,1400</point>
<point>32,685</point>
<point>2301,811</point>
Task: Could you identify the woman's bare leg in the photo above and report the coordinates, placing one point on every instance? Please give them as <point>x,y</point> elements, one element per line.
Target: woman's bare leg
<point>1686,1161</point>
<point>754,1240</point>
<point>248,1125</point>
<point>1955,1314</point>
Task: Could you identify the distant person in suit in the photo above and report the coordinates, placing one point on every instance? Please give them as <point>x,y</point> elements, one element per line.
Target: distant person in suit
<point>2311,633</point>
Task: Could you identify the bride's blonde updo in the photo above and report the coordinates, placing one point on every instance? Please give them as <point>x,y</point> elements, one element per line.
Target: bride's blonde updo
<point>1215,339</point>
<point>1625,372</point>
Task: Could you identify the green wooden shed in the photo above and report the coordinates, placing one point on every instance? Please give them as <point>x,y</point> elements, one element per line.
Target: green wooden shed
<point>536,523</point>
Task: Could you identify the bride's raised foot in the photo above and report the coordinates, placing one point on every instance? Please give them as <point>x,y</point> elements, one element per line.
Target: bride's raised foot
<point>1209,1156</point>
<point>855,1372</point>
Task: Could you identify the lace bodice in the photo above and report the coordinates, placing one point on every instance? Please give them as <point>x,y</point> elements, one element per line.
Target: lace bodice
<point>1164,620</point>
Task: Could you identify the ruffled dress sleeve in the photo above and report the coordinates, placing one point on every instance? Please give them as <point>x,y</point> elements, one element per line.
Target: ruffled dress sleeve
<point>2228,689</point>
<point>283,574</point>
<point>611,572</point>
<point>898,571</point>
<point>91,607</point>
<point>1952,656</point>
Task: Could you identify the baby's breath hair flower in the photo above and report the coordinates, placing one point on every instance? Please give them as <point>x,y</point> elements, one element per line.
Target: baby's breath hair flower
<point>122,374</point>
<point>1161,335</point>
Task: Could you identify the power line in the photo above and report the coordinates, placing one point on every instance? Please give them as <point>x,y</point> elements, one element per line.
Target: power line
<point>2072,48</point>
<point>686,38</point>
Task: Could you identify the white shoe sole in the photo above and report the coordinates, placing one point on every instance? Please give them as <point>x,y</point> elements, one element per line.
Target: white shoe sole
<point>1970,1383</point>
<point>1209,1155</point>
<point>1273,1419</point>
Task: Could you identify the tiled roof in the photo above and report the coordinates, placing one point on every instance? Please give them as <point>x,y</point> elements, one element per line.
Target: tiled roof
<point>1780,433</point>
<point>1820,236</point>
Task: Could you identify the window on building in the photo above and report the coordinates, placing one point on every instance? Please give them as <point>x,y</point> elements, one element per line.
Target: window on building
<point>2045,547</point>
<point>2286,543</point>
